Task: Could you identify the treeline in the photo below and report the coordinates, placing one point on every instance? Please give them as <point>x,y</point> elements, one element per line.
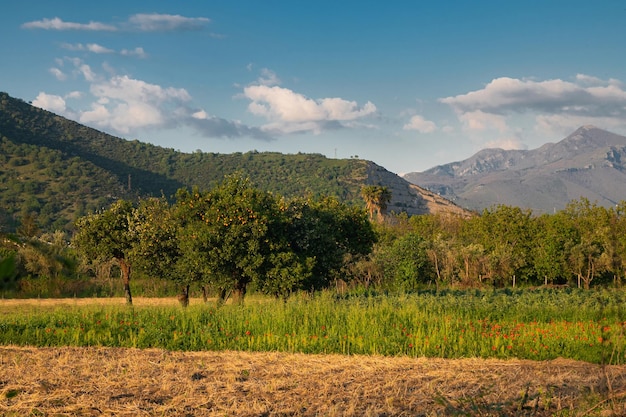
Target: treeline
<point>236,237</point>
<point>580,246</point>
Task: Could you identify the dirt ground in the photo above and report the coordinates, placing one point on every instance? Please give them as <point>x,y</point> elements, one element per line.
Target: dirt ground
<point>131,382</point>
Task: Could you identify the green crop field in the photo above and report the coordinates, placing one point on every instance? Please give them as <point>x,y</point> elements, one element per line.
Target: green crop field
<point>525,324</point>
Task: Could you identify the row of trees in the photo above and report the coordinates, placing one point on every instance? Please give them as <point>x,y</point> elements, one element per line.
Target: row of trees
<point>580,245</point>
<point>235,237</point>
<point>229,238</point>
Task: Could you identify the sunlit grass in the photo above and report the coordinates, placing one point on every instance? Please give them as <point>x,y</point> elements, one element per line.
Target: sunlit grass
<point>582,325</point>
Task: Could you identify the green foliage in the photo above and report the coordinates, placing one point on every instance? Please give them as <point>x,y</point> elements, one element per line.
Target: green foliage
<point>8,270</point>
<point>405,263</point>
<point>581,246</point>
<point>156,249</point>
<point>376,200</point>
<point>236,235</point>
<point>107,235</point>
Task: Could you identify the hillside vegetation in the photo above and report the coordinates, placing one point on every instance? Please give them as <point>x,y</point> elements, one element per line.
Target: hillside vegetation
<point>57,170</point>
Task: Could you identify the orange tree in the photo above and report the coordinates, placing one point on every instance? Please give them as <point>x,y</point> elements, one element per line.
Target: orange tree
<point>105,235</point>
<point>236,236</point>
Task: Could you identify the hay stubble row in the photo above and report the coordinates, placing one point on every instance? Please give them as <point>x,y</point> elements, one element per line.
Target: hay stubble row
<point>127,382</point>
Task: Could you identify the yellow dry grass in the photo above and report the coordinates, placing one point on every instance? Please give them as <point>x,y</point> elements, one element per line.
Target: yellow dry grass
<point>131,382</point>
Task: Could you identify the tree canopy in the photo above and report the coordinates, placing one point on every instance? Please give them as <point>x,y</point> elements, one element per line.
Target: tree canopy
<point>229,238</point>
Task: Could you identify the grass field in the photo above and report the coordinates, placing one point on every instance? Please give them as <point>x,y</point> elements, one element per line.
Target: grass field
<point>450,353</point>
<point>579,325</point>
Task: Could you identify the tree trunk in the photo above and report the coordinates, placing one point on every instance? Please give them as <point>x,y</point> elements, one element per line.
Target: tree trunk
<point>239,292</point>
<point>436,259</point>
<point>125,268</point>
<point>183,297</point>
<point>205,297</point>
<point>222,297</point>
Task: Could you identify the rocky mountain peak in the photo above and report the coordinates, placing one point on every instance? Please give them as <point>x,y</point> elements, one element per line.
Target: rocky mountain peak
<point>587,163</point>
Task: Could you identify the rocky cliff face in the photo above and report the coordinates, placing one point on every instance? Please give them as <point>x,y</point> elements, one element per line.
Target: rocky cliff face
<point>410,198</point>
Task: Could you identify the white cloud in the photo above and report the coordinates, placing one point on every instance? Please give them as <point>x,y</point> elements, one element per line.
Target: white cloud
<point>555,105</point>
<point>420,124</point>
<point>123,105</point>
<point>155,22</point>
<point>58,74</point>
<point>99,49</point>
<point>480,121</point>
<point>506,143</point>
<point>86,71</point>
<point>145,22</point>
<point>200,115</point>
<point>74,94</point>
<point>288,111</point>
<point>58,24</point>
<point>138,52</point>
<point>268,78</point>
<point>50,102</point>
<point>587,95</point>
<point>90,47</point>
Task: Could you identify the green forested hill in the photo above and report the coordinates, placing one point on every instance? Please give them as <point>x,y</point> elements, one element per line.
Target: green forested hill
<point>55,170</point>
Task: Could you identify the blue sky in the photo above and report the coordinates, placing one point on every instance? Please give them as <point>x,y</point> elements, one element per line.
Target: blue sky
<point>406,84</point>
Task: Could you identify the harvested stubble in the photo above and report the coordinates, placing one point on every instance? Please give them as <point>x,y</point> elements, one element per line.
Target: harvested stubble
<point>129,382</point>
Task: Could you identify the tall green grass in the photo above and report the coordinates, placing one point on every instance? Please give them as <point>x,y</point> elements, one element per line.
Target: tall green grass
<point>582,325</point>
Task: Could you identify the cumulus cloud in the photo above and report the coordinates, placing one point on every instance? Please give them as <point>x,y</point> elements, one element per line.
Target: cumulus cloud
<point>289,112</point>
<point>420,124</point>
<point>51,102</point>
<point>144,22</point>
<point>58,24</point>
<point>479,120</point>
<point>555,104</point>
<point>123,105</point>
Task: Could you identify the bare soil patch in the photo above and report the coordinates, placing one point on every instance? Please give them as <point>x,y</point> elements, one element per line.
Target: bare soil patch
<point>131,382</point>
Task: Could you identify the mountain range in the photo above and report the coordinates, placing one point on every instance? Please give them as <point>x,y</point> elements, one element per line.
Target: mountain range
<point>589,163</point>
<point>55,170</point>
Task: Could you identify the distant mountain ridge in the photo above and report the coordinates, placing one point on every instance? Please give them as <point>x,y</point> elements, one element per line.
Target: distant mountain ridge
<point>58,170</point>
<point>589,163</point>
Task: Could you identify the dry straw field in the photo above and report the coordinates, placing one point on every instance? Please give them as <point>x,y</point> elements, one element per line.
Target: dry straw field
<point>132,382</point>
